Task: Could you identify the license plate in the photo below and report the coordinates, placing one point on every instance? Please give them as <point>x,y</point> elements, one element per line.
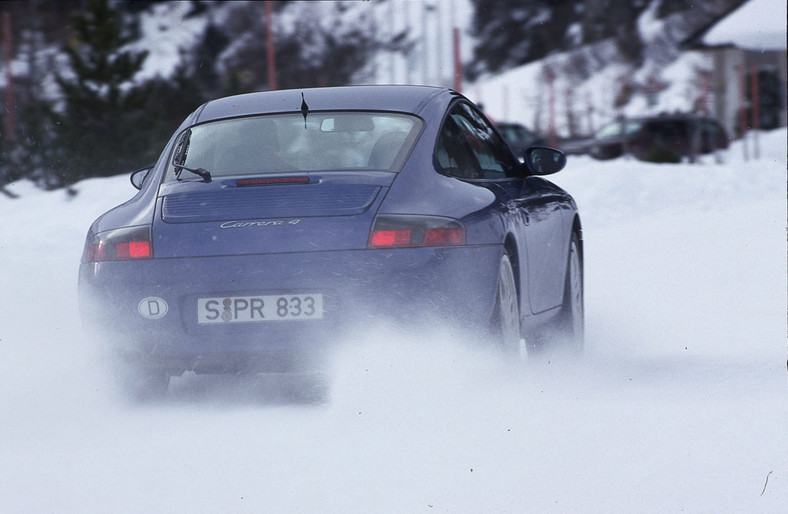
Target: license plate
<point>253,309</point>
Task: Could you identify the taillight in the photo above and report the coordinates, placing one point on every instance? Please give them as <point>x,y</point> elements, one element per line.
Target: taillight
<point>120,245</point>
<point>415,231</point>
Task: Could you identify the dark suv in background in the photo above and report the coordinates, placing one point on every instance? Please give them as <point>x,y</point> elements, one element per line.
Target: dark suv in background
<point>668,138</point>
<point>519,137</point>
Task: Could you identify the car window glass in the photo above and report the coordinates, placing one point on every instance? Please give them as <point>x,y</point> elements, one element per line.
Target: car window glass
<point>509,132</point>
<point>617,128</point>
<point>711,128</point>
<point>454,154</point>
<point>493,154</point>
<point>465,131</point>
<point>712,134</point>
<point>325,141</point>
<point>524,136</point>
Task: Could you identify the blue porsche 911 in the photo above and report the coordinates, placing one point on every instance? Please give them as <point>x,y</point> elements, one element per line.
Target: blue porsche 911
<point>272,221</point>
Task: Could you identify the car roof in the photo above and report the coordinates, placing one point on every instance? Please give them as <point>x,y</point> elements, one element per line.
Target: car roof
<point>409,99</point>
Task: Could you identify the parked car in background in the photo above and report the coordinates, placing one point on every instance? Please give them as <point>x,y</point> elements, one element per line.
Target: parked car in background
<point>519,137</point>
<point>668,138</point>
<point>575,145</point>
<point>274,221</point>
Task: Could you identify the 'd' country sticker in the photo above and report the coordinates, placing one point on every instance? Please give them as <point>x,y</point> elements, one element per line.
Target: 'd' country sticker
<point>152,307</point>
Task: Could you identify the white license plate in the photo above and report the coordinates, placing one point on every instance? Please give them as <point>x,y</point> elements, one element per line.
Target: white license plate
<point>252,309</point>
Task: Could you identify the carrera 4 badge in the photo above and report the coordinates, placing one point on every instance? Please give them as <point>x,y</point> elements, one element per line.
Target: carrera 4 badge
<point>267,223</point>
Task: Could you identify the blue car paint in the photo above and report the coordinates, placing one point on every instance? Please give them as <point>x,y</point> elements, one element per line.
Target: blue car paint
<point>296,228</point>
<point>362,288</point>
<point>529,217</point>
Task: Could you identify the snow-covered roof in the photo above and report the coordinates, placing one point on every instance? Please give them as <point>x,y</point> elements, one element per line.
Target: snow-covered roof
<point>756,25</point>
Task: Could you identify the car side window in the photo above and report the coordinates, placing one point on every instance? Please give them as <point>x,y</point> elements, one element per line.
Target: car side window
<point>454,154</point>
<point>711,128</point>
<point>468,147</point>
<point>712,135</point>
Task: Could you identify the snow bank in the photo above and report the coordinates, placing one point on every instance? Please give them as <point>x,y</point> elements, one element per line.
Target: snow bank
<point>757,25</point>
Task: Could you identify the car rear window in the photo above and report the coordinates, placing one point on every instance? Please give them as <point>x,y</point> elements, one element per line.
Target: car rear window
<point>618,128</point>
<point>321,141</point>
<point>517,134</point>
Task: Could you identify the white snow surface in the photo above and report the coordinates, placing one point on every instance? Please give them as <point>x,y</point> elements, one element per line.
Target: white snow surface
<point>679,405</point>
<point>756,25</point>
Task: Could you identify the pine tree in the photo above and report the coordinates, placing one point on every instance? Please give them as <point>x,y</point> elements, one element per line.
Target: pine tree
<point>100,127</point>
<point>510,33</point>
<point>514,32</point>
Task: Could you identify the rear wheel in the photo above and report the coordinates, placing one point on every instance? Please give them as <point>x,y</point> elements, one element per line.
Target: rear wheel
<point>506,315</point>
<point>573,312</point>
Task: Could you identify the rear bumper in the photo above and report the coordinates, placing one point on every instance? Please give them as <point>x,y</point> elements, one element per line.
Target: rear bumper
<point>360,288</point>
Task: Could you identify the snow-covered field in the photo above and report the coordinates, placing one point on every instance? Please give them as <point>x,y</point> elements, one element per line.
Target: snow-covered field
<point>680,404</point>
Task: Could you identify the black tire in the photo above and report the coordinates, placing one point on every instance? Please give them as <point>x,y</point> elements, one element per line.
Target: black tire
<point>572,317</point>
<point>505,326</point>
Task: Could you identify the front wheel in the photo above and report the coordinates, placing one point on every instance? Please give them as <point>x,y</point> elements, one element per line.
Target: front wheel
<point>506,314</point>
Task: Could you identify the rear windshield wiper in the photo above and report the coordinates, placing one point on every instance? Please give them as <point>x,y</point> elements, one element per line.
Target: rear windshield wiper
<point>179,157</point>
<point>205,174</point>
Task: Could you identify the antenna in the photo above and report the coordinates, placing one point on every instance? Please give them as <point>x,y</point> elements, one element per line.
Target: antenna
<point>304,109</point>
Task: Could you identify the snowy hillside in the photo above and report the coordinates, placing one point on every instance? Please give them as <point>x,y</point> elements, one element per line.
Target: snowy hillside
<point>680,404</point>
<point>593,85</point>
<point>521,94</point>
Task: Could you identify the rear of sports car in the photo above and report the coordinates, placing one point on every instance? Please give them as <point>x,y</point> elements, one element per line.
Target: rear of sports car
<point>257,269</point>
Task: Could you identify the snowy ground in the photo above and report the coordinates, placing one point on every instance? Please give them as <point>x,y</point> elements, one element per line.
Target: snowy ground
<point>680,405</point>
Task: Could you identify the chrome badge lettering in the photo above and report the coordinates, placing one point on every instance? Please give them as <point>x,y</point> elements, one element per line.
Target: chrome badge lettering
<point>268,223</point>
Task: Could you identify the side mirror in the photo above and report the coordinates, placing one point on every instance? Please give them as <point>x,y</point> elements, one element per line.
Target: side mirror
<point>138,176</point>
<point>541,160</point>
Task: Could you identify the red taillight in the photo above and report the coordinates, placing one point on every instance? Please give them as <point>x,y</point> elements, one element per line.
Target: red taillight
<point>382,238</point>
<point>444,236</point>
<point>97,252</point>
<point>415,231</point>
<point>120,245</point>
<point>133,250</point>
